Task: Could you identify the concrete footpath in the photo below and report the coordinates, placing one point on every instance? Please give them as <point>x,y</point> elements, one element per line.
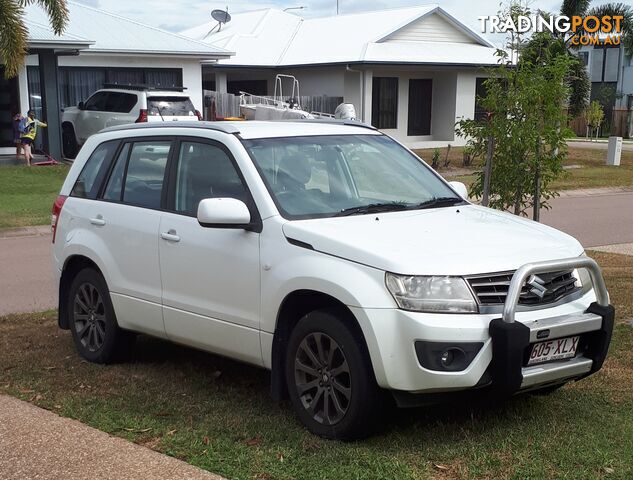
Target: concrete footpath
<point>37,444</point>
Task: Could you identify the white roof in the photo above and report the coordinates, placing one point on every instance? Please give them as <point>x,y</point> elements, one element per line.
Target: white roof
<point>111,33</point>
<point>271,37</point>
<point>42,35</point>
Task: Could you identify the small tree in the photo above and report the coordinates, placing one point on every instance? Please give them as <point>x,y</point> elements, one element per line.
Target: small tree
<point>594,116</point>
<point>524,102</point>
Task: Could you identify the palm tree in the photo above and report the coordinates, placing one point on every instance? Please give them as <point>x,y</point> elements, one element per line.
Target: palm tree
<point>14,34</point>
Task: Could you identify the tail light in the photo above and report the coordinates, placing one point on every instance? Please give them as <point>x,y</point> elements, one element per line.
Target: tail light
<point>142,116</point>
<point>57,210</point>
<point>199,115</point>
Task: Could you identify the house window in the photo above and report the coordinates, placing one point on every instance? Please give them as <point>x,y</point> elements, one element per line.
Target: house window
<point>384,103</point>
<point>76,84</point>
<point>35,90</point>
<point>420,97</point>
<point>480,92</point>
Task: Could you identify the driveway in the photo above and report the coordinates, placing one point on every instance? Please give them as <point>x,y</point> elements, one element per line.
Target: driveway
<point>26,283</point>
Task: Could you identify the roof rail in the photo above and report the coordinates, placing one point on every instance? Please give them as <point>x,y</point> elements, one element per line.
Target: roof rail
<point>142,87</point>
<point>331,121</point>
<point>218,126</point>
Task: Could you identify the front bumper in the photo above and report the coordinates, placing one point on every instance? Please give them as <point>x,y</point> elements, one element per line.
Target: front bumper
<point>501,362</point>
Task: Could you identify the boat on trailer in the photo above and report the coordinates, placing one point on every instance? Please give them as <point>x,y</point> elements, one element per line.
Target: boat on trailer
<point>257,107</point>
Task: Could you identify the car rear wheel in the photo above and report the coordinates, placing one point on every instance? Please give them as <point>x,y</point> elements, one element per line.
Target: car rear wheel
<point>330,379</point>
<point>92,321</point>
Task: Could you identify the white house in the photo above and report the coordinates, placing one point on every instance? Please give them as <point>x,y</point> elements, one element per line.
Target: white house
<point>97,47</point>
<point>412,72</point>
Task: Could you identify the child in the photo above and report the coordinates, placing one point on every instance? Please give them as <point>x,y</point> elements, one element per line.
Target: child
<point>28,129</point>
<point>17,118</point>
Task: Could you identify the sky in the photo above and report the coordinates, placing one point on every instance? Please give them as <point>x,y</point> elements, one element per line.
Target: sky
<point>179,15</point>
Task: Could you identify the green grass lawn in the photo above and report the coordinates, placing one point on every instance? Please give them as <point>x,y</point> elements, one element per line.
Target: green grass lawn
<point>27,194</point>
<point>217,414</point>
<point>594,173</point>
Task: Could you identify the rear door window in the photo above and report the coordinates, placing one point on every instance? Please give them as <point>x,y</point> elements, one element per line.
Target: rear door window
<point>115,183</point>
<point>120,102</point>
<point>91,176</point>
<point>97,103</point>
<point>145,174</point>
<point>138,175</point>
<point>170,106</point>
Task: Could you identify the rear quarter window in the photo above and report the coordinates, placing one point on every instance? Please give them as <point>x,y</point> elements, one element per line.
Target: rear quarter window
<point>170,106</point>
<point>91,176</point>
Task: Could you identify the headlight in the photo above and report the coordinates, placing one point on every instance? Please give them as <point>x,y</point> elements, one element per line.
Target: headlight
<point>431,294</point>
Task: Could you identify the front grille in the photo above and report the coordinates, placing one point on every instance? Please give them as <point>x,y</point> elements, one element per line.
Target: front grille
<point>492,289</point>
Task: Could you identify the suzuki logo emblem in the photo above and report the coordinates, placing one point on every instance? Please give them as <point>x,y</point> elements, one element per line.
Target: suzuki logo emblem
<point>537,285</point>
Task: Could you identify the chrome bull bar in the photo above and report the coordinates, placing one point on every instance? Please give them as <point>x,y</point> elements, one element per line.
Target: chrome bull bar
<point>511,340</point>
<point>524,272</point>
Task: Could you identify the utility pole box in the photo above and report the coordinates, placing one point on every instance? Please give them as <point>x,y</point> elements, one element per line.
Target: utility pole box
<point>615,151</point>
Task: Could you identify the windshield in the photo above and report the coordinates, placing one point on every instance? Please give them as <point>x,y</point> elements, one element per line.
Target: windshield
<point>325,176</point>
<point>170,106</point>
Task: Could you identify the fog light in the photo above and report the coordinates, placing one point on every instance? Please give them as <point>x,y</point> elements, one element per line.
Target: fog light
<point>446,358</point>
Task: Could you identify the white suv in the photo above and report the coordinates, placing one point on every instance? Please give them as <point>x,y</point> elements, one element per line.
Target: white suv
<point>115,105</point>
<point>325,252</point>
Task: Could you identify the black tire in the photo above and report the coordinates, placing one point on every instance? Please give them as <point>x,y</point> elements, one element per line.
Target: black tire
<point>338,374</point>
<point>69,141</point>
<point>92,321</point>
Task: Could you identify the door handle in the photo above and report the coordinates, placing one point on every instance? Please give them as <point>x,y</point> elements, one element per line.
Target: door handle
<point>170,236</point>
<point>98,220</point>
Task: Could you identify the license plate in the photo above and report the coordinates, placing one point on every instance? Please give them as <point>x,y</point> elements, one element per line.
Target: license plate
<point>554,350</point>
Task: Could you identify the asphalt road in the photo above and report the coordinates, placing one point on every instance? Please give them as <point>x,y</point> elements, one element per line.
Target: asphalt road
<point>26,279</point>
<point>595,220</point>
<point>26,282</point>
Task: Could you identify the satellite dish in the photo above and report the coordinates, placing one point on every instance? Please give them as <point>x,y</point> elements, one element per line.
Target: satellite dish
<point>221,16</point>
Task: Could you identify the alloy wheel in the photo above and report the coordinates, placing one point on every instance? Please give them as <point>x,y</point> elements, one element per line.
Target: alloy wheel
<point>322,378</point>
<point>89,317</point>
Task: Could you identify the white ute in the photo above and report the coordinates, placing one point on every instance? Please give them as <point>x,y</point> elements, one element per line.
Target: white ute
<point>326,252</point>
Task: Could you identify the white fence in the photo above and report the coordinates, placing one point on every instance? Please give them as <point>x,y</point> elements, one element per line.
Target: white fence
<point>228,105</point>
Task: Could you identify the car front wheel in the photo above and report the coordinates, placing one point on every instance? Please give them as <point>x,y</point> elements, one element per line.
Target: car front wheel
<point>330,379</point>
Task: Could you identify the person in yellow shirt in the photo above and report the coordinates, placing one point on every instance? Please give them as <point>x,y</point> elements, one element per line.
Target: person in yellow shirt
<point>28,132</point>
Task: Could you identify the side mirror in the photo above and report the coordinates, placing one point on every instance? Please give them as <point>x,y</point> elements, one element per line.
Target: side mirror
<point>223,213</point>
<point>460,188</point>
<point>81,105</point>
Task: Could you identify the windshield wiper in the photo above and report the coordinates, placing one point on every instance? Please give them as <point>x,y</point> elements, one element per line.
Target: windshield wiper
<point>439,202</point>
<point>371,208</point>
